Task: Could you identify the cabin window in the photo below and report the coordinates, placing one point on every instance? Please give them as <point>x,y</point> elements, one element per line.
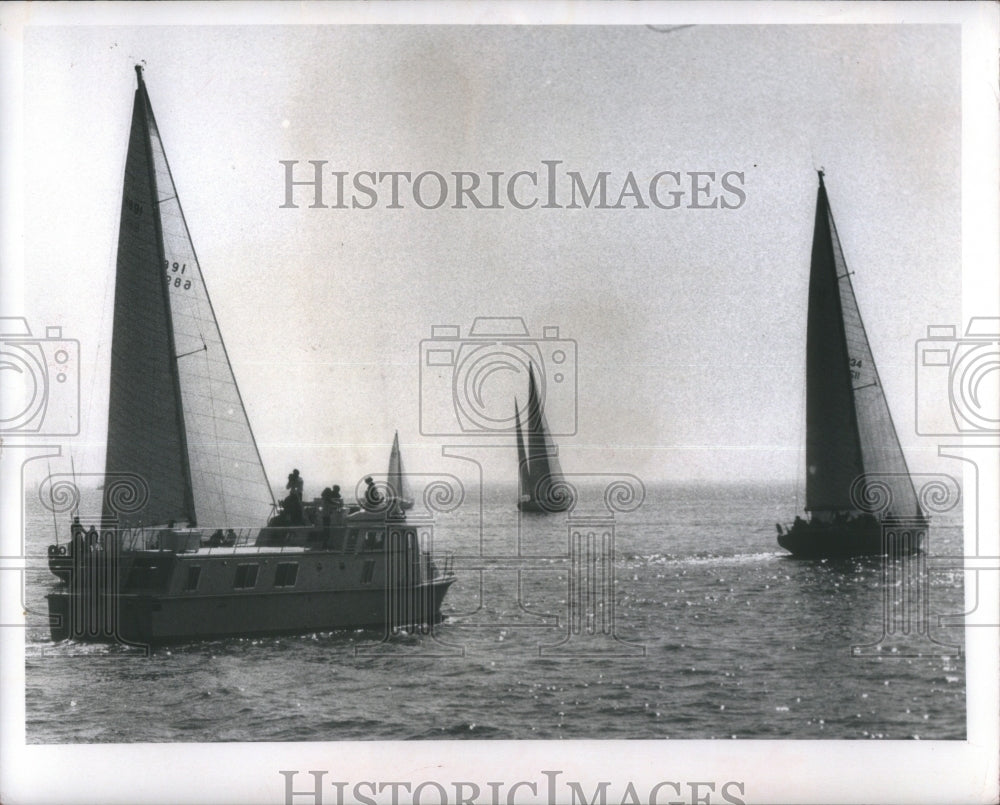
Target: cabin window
<point>368,572</point>
<point>147,574</point>
<point>374,540</point>
<point>191,583</point>
<point>246,577</point>
<point>141,576</point>
<point>285,574</point>
<point>352,540</point>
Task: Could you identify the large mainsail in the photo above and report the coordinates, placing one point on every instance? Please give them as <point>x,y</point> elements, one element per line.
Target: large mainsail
<point>849,428</point>
<point>176,417</point>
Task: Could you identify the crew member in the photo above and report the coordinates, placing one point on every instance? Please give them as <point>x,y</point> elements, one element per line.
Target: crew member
<point>295,484</point>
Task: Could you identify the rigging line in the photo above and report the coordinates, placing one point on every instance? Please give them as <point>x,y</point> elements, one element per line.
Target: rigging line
<point>211,396</point>
<point>204,348</point>
<point>109,287</point>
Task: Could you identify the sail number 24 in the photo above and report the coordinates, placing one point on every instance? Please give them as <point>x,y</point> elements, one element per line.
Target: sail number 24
<point>174,272</point>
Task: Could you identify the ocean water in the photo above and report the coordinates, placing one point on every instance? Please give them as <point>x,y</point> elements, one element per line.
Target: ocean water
<point>708,631</point>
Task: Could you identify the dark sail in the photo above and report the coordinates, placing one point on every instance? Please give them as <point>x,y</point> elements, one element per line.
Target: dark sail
<point>523,476</point>
<point>543,463</point>
<point>849,428</point>
<point>539,474</point>
<point>177,418</point>
<point>145,430</point>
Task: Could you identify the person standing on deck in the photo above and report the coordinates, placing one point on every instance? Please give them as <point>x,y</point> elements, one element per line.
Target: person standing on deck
<point>295,484</point>
<point>78,541</point>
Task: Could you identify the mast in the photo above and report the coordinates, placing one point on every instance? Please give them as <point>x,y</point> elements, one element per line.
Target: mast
<point>192,515</point>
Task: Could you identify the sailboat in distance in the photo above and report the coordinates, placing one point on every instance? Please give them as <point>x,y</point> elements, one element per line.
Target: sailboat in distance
<point>540,481</point>
<point>853,456</point>
<point>399,484</point>
<point>181,550</point>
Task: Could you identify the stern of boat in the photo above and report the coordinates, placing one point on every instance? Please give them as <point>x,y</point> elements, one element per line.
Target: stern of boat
<point>859,536</point>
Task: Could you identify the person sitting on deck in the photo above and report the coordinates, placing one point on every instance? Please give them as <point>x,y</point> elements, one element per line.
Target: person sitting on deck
<point>373,498</point>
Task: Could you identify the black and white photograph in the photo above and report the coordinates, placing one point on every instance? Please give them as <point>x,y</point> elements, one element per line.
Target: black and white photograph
<point>499,403</point>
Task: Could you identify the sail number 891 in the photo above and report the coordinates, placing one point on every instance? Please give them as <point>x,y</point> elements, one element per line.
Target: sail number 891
<point>174,272</point>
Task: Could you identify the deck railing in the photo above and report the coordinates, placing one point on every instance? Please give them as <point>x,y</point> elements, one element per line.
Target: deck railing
<point>245,540</point>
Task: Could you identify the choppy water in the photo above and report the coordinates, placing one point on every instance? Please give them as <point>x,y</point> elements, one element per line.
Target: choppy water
<point>716,634</point>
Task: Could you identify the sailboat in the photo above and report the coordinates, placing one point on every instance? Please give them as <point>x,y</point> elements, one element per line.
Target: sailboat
<point>853,456</point>
<point>183,551</point>
<point>539,474</point>
<point>399,484</point>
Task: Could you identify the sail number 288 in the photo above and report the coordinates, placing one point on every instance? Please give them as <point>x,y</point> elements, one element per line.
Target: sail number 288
<point>174,272</point>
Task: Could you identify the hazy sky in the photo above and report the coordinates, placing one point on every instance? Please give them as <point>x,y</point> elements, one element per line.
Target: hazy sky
<point>689,324</point>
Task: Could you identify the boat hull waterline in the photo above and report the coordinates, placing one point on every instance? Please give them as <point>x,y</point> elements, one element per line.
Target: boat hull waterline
<point>813,540</point>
